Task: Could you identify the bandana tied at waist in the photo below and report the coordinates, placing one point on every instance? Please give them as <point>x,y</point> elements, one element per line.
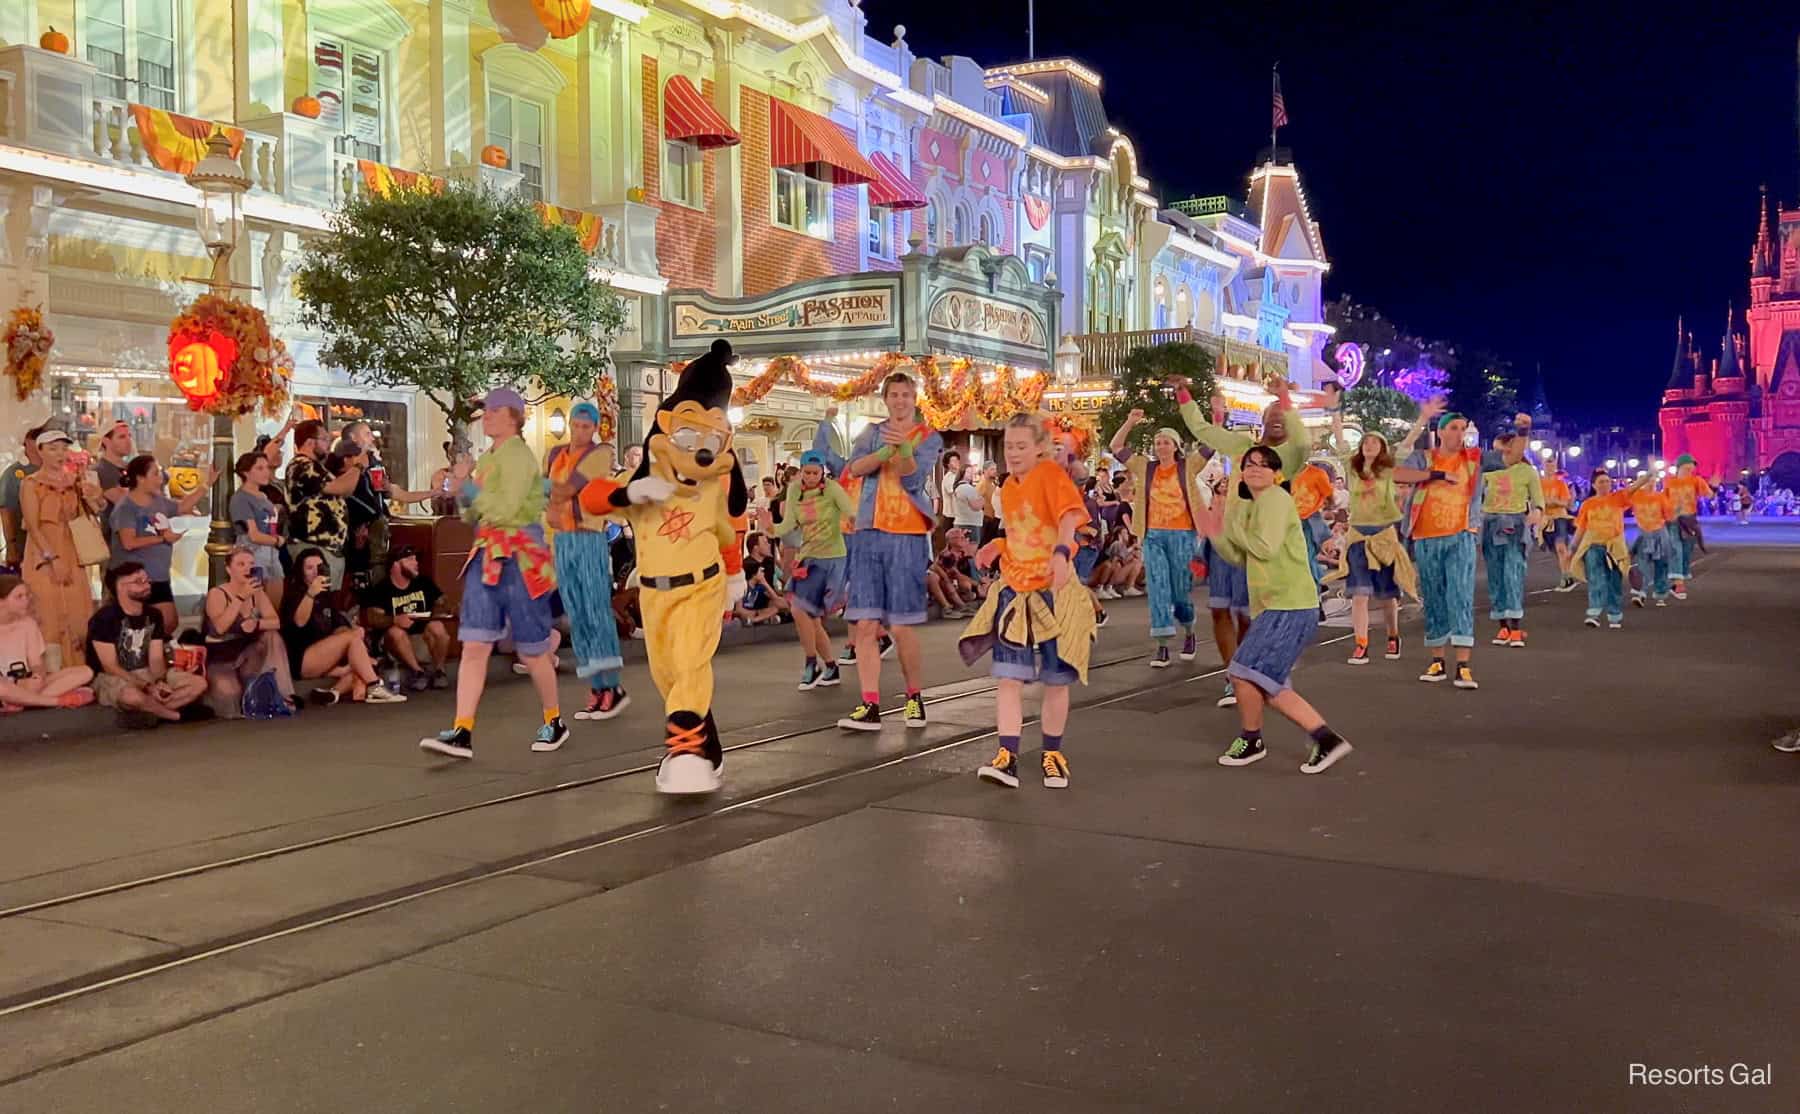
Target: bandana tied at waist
<point>525,547</point>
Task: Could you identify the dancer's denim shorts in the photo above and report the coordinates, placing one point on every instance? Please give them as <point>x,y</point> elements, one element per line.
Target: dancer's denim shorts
<point>1276,640</point>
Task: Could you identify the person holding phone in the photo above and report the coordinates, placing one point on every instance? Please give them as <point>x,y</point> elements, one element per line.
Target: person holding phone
<point>321,642</point>
<point>143,530</point>
<point>51,499</point>
<point>256,521</point>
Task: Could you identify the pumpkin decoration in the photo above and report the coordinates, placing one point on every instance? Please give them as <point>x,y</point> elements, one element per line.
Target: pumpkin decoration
<point>518,23</point>
<point>308,106</point>
<point>494,156</point>
<point>26,345</point>
<point>54,40</point>
<point>635,193</point>
<point>562,18</point>
<point>185,475</point>
<point>226,362</point>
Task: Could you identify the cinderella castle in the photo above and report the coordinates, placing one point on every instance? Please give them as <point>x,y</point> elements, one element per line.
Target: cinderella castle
<point>1739,414</point>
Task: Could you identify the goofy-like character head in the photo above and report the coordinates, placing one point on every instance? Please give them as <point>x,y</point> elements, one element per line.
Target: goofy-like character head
<point>691,441</point>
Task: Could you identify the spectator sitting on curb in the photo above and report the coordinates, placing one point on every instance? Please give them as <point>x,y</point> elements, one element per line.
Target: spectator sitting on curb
<point>400,605</point>
<point>125,651</point>
<point>24,682</point>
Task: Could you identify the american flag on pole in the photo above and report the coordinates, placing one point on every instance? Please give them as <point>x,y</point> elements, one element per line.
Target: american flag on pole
<point>1281,116</point>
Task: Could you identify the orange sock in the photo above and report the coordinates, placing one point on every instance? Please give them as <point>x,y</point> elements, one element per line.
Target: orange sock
<point>1362,640</point>
<point>464,723</point>
<point>552,713</point>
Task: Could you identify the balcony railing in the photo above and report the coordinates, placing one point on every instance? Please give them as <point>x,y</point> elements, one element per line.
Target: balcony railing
<point>116,139</point>
<point>1217,205</point>
<point>1103,355</point>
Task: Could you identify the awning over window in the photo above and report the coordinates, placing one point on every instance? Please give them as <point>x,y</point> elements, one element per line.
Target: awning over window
<point>688,116</point>
<point>801,138</point>
<point>891,189</point>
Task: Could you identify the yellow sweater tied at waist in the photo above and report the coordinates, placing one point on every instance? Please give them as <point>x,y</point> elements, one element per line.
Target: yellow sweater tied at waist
<point>1381,550</point>
<point>1067,618</point>
<point>1616,551</point>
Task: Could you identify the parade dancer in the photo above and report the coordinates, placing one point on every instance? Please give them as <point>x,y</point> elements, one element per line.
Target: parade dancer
<point>584,563</point>
<point>507,579</point>
<point>816,588</point>
<point>1162,512</point>
<point>1559,525</point>
<point>1260,530</point>
<point>1512,501</point>
<point>1601,557</point>
<point>1038,620</point>
<point>1654,550</point>
<point>1685,491</point>
<point>897,458</point>
<point>682,503</point>
<point>1228,590</point>
<point>1374,562</point>
<point>1444,520</point>
<point>839,468</point>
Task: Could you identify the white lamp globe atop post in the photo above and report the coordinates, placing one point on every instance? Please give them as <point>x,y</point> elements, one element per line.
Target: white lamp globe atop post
<point>1574,451</point>
<point>1068,362</point>
<point>221,183</point>
<point>220,214</point>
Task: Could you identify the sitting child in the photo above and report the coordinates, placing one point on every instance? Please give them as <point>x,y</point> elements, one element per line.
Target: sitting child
<point>24,682</point>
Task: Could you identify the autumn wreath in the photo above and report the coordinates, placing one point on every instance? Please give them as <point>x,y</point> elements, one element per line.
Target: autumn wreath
<point>28,342</point>
<point>226,361</point>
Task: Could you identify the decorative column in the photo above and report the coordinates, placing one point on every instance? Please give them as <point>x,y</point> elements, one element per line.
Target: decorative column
<point>599,57</point>
<point>452,129</point>
<point>728,169</point>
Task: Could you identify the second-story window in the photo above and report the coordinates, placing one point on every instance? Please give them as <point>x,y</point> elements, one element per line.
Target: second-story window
<point>132,45</point>
<point>801,202</point>
<point>516,126</point>
<point>350,81</point>
<point>881,233</point>
<point>987,231</point>
<point>933,224</point>
<point>682,166</point>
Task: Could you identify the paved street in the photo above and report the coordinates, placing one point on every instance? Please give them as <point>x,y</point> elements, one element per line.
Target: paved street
<point>1501,901</point>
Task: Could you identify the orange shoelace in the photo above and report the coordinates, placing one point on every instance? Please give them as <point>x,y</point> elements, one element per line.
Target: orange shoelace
<point>688,740</point>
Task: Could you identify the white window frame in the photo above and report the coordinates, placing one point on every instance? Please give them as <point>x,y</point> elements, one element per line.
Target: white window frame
<point>547,166</point>
<point>691,175</point>
<point>184,52</point>
<point>810,202</point>
<point>880,239</point>
<point>325,30</point>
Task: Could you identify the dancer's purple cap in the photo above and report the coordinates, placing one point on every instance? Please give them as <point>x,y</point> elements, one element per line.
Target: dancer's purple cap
<point>503,398</point>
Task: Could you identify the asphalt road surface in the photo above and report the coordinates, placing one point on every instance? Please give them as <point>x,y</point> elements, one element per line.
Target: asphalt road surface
<point>1526,898</point>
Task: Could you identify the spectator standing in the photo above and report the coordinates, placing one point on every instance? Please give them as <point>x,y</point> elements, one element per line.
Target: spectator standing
<point>256,521</point>
<point>243,634</point>
<point>968,510</point>
<point>369,503</point>
<point>143,531</point>
<point>115,453</point>
<point>989,488</point>
<point>12,516</point>
<point>320,518</point>
<point>125,650</point>
<point>25,682</point>
<point>51,499</point>
<point>403,604</point>
<point>947,485</point>
<point>321,642</point>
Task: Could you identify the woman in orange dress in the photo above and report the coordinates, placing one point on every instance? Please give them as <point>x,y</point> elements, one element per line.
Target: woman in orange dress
<point>52,498</point>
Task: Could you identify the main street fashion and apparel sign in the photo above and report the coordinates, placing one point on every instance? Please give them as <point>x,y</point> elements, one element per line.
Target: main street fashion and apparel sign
<point>989,327</point>
<point>797,319</point>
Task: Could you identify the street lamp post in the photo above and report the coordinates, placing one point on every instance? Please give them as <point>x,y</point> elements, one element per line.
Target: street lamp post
<point>219,217</point>
<point>1068,363</point>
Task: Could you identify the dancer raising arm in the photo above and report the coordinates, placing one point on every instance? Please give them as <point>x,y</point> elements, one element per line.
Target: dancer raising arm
<point>1260,530</point>
<point>1601,557</point>
<point>1374,561</point>
<point>1162,513</point>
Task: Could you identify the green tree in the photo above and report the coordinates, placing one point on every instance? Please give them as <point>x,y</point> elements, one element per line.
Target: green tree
<point>454,293</point>
<point>1378,409</point>
<point>1484,387</point>
<point>1140,387</point>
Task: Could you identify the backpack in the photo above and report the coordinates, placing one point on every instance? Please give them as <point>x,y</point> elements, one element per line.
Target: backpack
<point>263,699</point>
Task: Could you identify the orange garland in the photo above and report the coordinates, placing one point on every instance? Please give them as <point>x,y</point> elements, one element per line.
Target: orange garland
<point>27,343</point>
<point>943,404</point>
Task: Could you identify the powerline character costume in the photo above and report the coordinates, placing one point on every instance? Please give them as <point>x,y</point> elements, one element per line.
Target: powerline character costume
<point>681,503</point>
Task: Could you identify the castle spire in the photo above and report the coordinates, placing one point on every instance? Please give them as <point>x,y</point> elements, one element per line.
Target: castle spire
<point>1728,359</point>
<point>1762,257</point>
<point>1682,375</point>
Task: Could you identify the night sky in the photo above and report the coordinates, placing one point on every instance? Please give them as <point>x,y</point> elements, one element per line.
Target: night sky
<point>1555,186</point>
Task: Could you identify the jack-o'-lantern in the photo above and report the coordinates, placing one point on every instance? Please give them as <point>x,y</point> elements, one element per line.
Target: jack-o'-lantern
<point>494,156</point>
<point>308,106</point>
<point>562,18</point>
<point>54,40</point>
<point>185,475</point>
<point>200,365</point>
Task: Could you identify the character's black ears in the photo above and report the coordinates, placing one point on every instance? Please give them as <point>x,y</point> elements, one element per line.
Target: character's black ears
<point>737,499</point>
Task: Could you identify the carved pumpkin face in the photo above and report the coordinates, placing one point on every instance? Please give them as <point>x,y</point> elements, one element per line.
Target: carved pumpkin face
<point>200,366</point>
<point>494,156</point>
<point>183,480</point>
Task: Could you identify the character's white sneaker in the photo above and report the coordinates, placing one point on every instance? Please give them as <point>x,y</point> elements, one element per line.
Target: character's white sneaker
<point>687,774</point>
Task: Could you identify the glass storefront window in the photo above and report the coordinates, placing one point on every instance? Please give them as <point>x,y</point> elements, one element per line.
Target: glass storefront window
<point>387,421</point>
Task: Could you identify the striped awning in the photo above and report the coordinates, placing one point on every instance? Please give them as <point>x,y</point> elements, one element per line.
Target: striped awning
<point>891,189</point>
<point>801,138</point>
<point>688,116</point>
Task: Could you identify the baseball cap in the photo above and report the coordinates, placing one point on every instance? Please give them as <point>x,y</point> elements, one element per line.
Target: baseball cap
<point>811,457</point>
<point>503,398</point>
<point>403,553</point>
<point>51,436</point>
<point>585,410</point>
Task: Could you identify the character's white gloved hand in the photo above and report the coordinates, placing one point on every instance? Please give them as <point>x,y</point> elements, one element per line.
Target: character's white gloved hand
<point>649,489</point>
<point>735,586</point>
